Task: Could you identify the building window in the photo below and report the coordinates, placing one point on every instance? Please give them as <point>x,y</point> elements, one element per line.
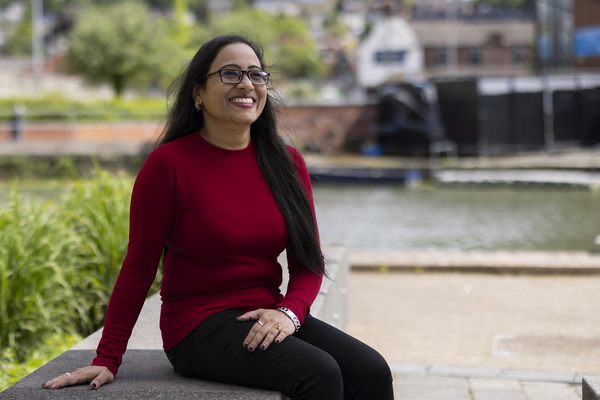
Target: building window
<point>389,57</point>
<point>474,56</point>
<point>440,57</point>
<point>519,55</point>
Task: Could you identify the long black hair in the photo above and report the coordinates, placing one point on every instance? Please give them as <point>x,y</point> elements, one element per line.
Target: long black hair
<point>273,157</point>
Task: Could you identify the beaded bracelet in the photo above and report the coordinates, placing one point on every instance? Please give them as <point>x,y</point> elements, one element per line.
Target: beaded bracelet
<point>291,316</point>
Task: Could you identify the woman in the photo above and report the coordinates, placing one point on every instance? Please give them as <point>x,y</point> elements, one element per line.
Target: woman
<point>224,197</point>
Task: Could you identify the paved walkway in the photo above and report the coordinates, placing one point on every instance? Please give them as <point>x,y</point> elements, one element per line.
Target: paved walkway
<point>473,336</point>
<point>436,382</point>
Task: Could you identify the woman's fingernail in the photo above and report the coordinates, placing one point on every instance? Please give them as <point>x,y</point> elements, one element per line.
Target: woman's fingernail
<point>251,348</point>
<point>44,384</point>
<point>277,340</point>
<point>245,344</point>
<point>93,385</point>
<point>263,346</point>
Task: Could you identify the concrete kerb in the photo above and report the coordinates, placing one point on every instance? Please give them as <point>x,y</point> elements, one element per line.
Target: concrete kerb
<point>146,372</point>
<point>451,371</point>
<point>524,262</point>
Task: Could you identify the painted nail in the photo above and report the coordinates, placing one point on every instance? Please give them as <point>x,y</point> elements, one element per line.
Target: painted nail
<point>44,384</point>
<point>263,346</point>
<point>277,340</point>
<point>250,348</point>
<point>245,344</point>
<point>93,385</point>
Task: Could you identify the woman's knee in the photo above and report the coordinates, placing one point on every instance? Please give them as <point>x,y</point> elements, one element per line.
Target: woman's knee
<point>321,378</point>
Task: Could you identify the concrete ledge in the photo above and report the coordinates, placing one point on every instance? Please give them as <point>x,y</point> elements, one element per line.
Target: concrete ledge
<point>525,262</point>
<point>591,388</point>
<point>146,372</point>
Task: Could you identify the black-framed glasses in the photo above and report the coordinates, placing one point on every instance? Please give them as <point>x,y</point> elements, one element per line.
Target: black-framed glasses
<point>234,76</point>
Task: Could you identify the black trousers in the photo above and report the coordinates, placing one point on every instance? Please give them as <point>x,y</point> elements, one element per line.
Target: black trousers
<point>319,362</point>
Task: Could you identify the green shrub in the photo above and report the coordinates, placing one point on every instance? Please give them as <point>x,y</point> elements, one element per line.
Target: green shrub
<point>59,261</point>
<point>97,210</point>
<point>37,257</point>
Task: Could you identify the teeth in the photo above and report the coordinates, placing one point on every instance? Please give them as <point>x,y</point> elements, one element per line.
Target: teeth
<point>244,100</point>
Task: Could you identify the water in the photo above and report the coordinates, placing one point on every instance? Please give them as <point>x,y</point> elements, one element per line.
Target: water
<point>396,218</point>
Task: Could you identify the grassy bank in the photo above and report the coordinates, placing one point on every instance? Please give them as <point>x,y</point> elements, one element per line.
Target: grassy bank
<point>58,108</point>
<point>59,261</point>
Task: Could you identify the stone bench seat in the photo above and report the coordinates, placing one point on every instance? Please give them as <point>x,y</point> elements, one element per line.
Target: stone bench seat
<point>591,388</point>
<point>146,373</point>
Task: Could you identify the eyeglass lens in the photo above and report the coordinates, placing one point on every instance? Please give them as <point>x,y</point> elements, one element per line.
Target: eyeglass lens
<point>235,76</point>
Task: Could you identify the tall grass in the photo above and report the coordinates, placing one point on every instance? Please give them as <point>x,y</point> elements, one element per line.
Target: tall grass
<point>59,260</point>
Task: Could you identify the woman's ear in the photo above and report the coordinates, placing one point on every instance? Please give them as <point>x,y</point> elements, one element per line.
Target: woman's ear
<point>196,94</point>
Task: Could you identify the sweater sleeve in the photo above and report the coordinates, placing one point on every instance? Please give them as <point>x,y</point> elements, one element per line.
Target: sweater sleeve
<point>151,214</point>
<point>303,286</point>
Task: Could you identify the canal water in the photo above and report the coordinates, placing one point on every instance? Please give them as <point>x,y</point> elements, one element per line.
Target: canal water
<point>397,218</point>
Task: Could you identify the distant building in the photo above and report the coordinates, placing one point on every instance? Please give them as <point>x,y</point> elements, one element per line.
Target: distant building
<point>586,24</point>
<point>391,49</point>
<point>476,47</point>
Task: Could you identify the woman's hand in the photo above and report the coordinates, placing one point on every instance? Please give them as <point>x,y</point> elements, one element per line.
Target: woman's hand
<point>95,374</point>
<point>271,326</point>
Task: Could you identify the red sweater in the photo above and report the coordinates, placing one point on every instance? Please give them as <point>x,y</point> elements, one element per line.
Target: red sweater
<point>224,231</point>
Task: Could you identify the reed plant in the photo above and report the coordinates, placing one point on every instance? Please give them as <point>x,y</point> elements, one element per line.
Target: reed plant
<point>37,257</point>
<point>59,261</point>
<point>97,210</point>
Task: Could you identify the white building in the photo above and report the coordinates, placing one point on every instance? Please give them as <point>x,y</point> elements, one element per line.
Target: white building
<point>390,50</point>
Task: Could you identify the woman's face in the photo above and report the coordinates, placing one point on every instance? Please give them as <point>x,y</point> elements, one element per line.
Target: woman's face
<point>232,104</point>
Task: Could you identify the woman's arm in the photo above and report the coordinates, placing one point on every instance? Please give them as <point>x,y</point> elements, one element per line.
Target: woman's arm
<point>151,214</point>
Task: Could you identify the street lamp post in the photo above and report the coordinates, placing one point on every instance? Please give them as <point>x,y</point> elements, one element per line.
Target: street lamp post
<point>37,37</point>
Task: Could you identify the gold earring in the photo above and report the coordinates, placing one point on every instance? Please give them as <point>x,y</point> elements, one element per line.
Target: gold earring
<point>198,105</point>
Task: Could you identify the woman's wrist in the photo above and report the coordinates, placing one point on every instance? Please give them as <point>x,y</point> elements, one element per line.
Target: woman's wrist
<point>290,314</point>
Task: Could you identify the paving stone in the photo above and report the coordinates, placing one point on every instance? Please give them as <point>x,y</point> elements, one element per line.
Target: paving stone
<point>550,391</point>
<point>498,395</point>
<point>475,372</point>
<point>428,382</point>
<point>538,376</point>
<point>494,384</point>
<point>432,394</point>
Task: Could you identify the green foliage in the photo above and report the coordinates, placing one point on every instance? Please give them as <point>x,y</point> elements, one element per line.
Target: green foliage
<point>505,5</point>
<point>122,44</point>
<point>12,370</point>
<point>59,261</point>
<point>58,107</point>
<point>285,40</point>
<point>98,213</point>
<point>35,258</point>
<point>19,43</point>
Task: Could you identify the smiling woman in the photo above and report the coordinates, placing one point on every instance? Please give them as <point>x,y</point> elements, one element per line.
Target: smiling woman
<point>219,200</point>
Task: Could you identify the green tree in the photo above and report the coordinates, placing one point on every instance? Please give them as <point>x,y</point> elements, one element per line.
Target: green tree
<point>286,40</point>
<point>122,44</point>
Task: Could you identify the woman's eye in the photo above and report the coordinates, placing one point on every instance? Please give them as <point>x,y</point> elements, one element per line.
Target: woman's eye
<point>230,73</point>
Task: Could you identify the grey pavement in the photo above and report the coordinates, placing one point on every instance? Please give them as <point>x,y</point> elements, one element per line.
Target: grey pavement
<point>479,336</point>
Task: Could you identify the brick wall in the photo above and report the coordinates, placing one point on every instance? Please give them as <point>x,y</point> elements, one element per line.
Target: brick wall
<point>328,129</point>
<point>331,129</point>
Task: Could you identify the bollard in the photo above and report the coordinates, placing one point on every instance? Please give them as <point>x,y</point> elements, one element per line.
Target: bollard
<point>17,123</point>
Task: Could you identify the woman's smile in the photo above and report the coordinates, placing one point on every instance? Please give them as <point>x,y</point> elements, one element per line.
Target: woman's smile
<point>244,101</point>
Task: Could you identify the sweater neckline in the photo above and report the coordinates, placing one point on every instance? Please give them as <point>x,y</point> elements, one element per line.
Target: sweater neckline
<point>224,153</point>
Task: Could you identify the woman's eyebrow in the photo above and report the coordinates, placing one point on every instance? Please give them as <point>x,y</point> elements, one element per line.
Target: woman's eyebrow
<point>238,67</point>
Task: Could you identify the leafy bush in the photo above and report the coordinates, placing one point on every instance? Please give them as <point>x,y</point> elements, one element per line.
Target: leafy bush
<point>36,261</point>
<point>59,261</point>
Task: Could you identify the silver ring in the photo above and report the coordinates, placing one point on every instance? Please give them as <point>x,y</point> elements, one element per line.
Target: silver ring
<point>260,323</point>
